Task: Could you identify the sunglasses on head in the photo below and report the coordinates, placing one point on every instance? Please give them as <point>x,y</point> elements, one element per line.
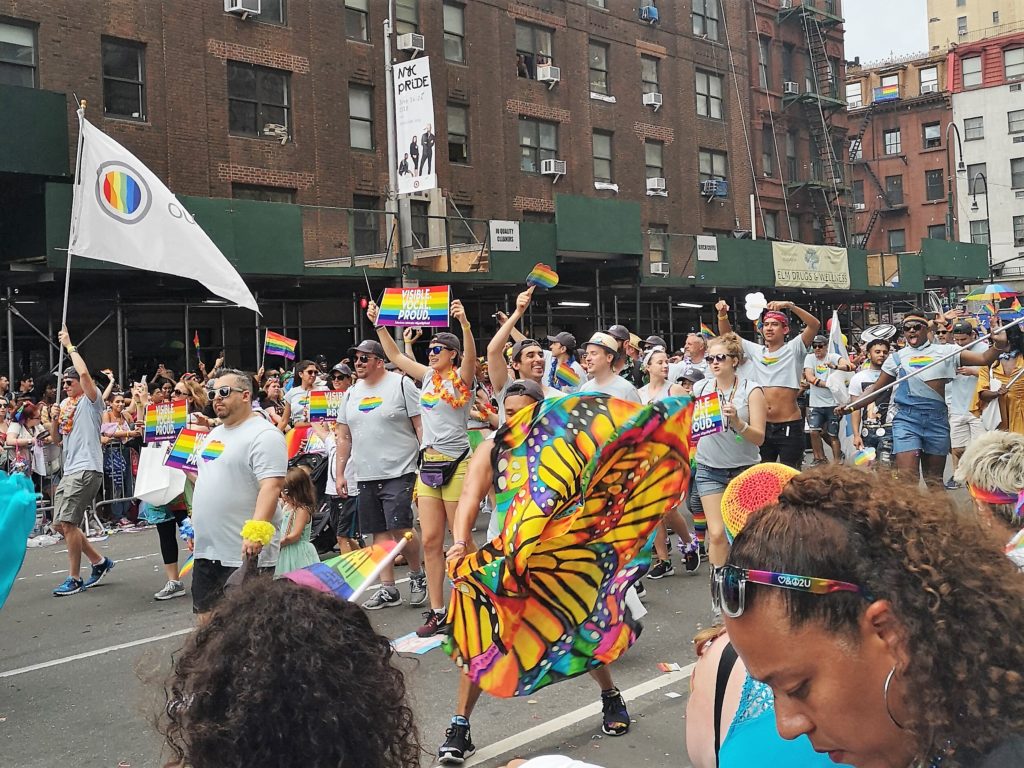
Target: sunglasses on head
<point>709,359</point>
<point>437,349</point>
<point>729,586</point>
<point>222,392</point>
<point>913,326</point>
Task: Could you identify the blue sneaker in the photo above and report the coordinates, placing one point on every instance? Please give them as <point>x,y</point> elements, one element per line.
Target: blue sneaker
<point>98,572</point>
<point>71,586</point>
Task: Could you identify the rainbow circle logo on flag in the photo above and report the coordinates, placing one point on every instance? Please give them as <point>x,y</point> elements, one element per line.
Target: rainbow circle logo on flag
<point>368,404</point>
<point>122,192</point>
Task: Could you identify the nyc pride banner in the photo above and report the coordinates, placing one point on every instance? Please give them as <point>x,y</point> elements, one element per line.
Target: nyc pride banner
<point>415,307</point>
<point>164,421</point>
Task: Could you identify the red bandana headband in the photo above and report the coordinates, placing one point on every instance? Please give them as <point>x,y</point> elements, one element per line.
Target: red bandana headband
<point>773,315</point>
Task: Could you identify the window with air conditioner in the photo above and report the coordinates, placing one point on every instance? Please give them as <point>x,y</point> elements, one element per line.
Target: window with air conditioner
<point>533,49</point>
<point>712,165</point>
<point>654,159</point>
<point>657,243</point>
<point>407,17</point>
<point>974,128</point>
<point>971,71</point>
<point>929,79</point>
<point>17,54</point>
<point>538,140</point>
<point>961,25</point>
<point>257,97</point>
<point>1013,63</point>
<point>854,97</point>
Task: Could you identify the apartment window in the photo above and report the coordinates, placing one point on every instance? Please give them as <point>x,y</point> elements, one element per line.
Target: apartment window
<point>764,49</point>
<point>933,185</point>
<point>936,231</point>
<point>974,128</point>
<point>1015,120</point>
<point>709,95</point>
<point>365,225</point>
<point>961,3</point>
<point>460,230</point>
<point>649,74</point>
<point>357,19</point>
<point>891,140</point>
<point>1013,63</point>
<point>17,55</point>
<point>454,32</point>
<point>787,63</point>
<point>657,242</point>
<point>458,134</point>
<point>961,25</point>
<point>794,227</point>
<point>538,141</point>
<point>979,232</point>
<point>257,97</point>
<point>858,192</point>
<point>771,225</point>
<point>654,159</point>
<point>1018,231</point>
<point>972,71</point>
<point>1017,173</point>
<point>705,18</point>
<point>273,12</point>
<point>533,48</point>
<point>995,17</point>
<point>602,147</point>
<point>262,193</point>
<point>767,151</point>
<point>420,218</point>
<point>897,240</point>
<point>929,79</point>
<point>891,81</point>
<point>931,135</point>
<point>124,79</point>
<point>712,164</point>
<point>854,98</point>
<point>360,116</point>
<point>894,189</point>
<point>598,3</point>
<point>792,167</point>
<point>973,171</point>
<point>809,85</point>
<point>598,55</point>
<point>407,16</point>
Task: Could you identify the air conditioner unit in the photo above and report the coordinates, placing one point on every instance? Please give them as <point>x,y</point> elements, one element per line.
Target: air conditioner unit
<point>929,88</point>
<point>548,73</point>
<point>656,184</point>
<point>652,100</point>
<point>785,5</point>
<point>552,167</point>
<point>659,267</point>
<point>714,188</point>
<point>859,206</point>
<point>242,8</point>
<point>856,104</point>
<point>412,42</point>
<point>649,14</point>
<point>789,88</point>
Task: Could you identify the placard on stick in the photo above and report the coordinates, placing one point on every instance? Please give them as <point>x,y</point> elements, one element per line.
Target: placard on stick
<point>415,307</point>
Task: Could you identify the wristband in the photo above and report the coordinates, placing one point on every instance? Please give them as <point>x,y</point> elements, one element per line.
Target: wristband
<point>457,543</point>
<point>72,349</point>
<point>723,315</point>
<point>259,531</point>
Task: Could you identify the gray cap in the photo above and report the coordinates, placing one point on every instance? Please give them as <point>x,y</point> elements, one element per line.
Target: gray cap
<point>449,340</point>
<point>692,375</point>
<point>564,338</point>
<point>370,347</point>
<point>531,389</point>
<point>519,346</point>
<point>655,341</point>
<point>819,340</point>
<point>619,332</point>
<point>963,328</point>
<point>343,369</point>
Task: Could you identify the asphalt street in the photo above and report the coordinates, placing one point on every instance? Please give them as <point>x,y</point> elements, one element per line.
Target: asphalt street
<point>81,677</point>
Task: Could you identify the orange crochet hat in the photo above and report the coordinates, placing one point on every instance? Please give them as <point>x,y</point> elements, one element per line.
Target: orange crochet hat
<point>752,490</point>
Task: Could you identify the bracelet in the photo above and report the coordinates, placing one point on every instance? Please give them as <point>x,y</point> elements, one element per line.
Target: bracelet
<point>723,315</point>
<point>379,327</point>
<point>457,543</point>
<point>72,349</point>
<point>259,531</point>
<point>746,426</point>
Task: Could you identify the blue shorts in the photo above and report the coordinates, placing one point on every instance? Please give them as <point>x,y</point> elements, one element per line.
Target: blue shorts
<point>924,430</point>
<point>824,418</point>
<point>711,481</point>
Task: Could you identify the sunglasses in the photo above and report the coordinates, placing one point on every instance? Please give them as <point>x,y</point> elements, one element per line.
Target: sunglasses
<point>437,349</point>
<point>914,326</point>
<point>709,359</point>
<point>183,394</point>
<point>337,377</point>
<point>729,587</point>
<point>818,346</point>
<point>222,392</point>
<point>365,358</point>
<point>311,372</point>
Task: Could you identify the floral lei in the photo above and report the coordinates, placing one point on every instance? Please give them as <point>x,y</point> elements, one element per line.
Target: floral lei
<point>67,415</point>
<point>458,385</point>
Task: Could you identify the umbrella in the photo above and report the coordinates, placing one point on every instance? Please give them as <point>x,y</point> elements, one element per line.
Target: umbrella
<point>990,292</point>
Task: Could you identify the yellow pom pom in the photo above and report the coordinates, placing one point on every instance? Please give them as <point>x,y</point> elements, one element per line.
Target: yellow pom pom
<point>259,531</point>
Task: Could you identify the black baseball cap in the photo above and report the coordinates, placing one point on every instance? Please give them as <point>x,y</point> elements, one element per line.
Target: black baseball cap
<point>519,346</point>
<point>449,340</point>
<point>343,369</point>
<point>963,328</point>
<point>620,333</point>
<point>564,338</point>
<point>655,341</point>
<point>70,373</point>
<point>531,389</point>
<point>692,375</point>
<point>370,347</point>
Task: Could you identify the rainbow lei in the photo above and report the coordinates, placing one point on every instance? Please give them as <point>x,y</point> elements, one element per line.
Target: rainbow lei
<point>458,385</point>
<point>259,531</point>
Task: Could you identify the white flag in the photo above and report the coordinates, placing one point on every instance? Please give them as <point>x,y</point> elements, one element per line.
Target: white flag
<point>124,214</point>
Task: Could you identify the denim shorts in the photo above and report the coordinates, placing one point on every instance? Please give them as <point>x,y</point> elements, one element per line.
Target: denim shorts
<point>711,481</point>
<point>926,431</point>
<point>823,418</point>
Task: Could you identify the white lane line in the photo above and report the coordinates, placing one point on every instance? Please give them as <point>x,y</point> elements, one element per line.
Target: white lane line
<point>65,570</point>
<point>96,652</point>
<point>538,732</point>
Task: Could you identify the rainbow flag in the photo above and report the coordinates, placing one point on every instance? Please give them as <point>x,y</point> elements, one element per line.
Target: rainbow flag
<point>195,341</point>
<point>189,449</point>
<point>343,575</point>
<point>864,456</point>
<point>186,569</point>
<point>566,376</point>
<point>303,440</point>
<point>165,421</point>
<point>542,276</point>
<point>707,416</point>
<point>415,307</point>
<point>282,346</point>
<point>1015,306</point>
<point>325,404</point>
<point>705,330</point>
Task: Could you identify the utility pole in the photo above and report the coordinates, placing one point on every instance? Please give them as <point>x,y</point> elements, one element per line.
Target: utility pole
<point>395,204</point>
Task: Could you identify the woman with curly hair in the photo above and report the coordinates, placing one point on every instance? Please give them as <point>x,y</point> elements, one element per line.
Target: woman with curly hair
<point>283,676</point>
<point>889,632</point>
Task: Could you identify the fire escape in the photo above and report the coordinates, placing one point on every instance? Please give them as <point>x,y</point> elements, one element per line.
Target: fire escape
<point>819,101</point>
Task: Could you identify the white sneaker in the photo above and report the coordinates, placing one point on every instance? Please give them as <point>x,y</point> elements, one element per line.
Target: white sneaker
<point>383,598</point>
<point>171,589</point>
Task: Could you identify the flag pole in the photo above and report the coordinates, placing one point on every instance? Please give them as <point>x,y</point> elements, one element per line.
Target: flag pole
<point>263,357</point>
<point>71,231</point>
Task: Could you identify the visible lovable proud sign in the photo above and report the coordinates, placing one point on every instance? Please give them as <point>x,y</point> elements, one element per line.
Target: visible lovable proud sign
<point>415,306</point>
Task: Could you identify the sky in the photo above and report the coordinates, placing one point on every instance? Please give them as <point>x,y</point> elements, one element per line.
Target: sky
<point>877,29</point>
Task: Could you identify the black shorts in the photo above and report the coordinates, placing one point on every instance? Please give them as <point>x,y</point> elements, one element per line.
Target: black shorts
<point>208,580</point>
<point>784,443</point>
<point>386,505</point>
<point>344,516</point>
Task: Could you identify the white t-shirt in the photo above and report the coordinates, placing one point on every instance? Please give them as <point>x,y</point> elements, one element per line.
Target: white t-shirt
<point>821,395</point>
<point>235,460</point>
<point>298,399</point>
<point>616,386</point>
<point>781,368</point>
<point>861,381</point>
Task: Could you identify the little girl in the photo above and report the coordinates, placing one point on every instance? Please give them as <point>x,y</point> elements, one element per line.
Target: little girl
<point>299,499</point>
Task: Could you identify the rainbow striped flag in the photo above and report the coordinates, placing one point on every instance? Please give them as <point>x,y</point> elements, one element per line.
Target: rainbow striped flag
<point>1015,306</point>
<point>343,575</point>
<point>186,569</point>
<point>164,421</point>
<point>415,307</point>
<point>282,346</point>
<point>190,448</point>
<point>566,376</point>
<point>705,330</point>
<point>324,404</point>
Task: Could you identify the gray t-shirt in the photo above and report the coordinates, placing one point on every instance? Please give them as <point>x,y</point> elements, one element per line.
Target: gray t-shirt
<point>782,368</point>
<point>445,429</point>
<point>384,443</point>
<point>616,386</point>
<point>549,393</point>
<point>821,396</point>
<point>728,449</point>
<point>234,462</point>
<point>82,448</point>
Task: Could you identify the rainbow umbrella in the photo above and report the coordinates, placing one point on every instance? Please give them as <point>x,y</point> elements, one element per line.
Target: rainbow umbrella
<point>991,292</point>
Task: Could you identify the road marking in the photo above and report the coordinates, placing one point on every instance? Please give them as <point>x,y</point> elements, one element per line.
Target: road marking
<point>96,652</point>
<point>65,570</point>
<point>538,732</point>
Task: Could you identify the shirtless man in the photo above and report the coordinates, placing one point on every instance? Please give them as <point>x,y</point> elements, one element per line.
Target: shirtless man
<point>777,365</point>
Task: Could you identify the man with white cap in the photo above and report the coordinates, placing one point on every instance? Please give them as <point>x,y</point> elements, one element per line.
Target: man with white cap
<point>601,352</point>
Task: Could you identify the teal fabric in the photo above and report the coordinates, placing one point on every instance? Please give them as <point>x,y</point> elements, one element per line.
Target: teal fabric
<point>17,518</point>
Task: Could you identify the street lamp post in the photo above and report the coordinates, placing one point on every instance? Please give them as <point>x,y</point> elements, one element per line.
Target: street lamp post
<point>960,168</point>
<point>988,215</point>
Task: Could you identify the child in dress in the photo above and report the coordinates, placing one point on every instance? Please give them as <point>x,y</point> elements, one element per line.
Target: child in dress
<point>298,497</point>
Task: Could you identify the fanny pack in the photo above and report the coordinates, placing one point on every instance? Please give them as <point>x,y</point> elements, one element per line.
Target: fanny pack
<point>436,473</point>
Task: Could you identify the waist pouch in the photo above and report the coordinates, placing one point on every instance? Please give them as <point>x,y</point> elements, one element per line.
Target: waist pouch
<point>437,473</point>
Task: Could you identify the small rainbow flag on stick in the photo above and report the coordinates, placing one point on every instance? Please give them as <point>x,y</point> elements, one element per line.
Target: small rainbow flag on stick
<point>351,574</point>
<point>705,330</point>
<point>566,376</point>
<point>542,276</point>
<point>864,456</point>
<point>164,421</point>
<point>415,307</point>
<point>282,346</point>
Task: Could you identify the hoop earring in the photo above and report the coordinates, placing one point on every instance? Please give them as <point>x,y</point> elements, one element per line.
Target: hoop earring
<point>885,697</point>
